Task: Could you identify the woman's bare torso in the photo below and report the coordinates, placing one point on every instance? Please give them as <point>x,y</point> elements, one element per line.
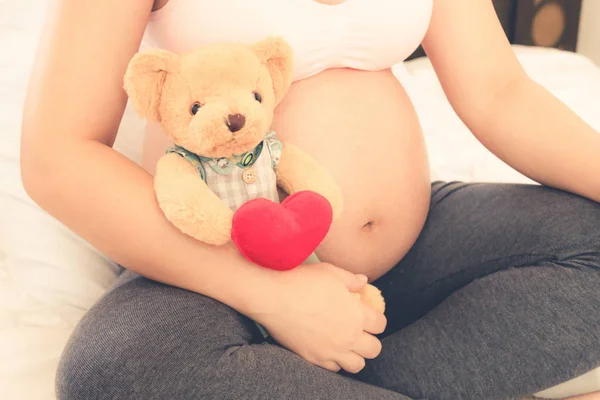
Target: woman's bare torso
<point>363,128</point>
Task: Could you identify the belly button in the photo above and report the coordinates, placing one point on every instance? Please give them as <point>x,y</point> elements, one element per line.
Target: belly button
<point>368,226</point>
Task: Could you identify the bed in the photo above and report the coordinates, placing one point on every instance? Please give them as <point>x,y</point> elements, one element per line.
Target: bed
<point>49,277</point>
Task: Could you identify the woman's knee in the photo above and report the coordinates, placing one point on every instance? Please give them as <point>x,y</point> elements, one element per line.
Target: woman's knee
<point>88,368</point>
<point>573,221</point>
<point>144,339</point>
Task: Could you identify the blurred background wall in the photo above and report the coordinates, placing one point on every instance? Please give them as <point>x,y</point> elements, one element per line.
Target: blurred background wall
<point>589,30</point>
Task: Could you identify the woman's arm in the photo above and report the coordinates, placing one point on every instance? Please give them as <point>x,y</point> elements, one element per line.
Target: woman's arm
<point>518,120</point>
<point>73,110</point>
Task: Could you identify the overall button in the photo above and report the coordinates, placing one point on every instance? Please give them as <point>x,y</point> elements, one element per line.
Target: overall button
<point>249,176</point>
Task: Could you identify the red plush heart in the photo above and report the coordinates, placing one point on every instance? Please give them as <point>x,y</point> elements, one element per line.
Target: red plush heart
<point>281,236</point>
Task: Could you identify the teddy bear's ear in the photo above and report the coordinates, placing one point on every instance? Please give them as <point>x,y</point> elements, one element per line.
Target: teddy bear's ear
<point>145,78</point>
<point>278,56</point>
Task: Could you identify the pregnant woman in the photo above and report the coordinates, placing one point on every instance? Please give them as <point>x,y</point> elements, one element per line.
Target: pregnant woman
<point>491,290</point>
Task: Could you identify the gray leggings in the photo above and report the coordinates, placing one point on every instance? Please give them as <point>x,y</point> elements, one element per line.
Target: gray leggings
<point>498,298</point>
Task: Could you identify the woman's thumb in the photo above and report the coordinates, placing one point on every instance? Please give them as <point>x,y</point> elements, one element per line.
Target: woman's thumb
<point>357,282</point>
<point>354,282</point>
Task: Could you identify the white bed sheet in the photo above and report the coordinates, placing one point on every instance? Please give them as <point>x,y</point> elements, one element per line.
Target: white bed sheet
<point>49,277</point>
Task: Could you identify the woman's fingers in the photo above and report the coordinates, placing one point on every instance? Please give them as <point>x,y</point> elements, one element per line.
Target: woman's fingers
<point>330,365</point>
<point>375,322</point>
<point>354,282</point>
<point>367,346</point>
<point>351,362</point>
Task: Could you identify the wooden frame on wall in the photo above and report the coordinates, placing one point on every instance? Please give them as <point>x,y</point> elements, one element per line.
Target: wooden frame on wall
<point>548,23</point>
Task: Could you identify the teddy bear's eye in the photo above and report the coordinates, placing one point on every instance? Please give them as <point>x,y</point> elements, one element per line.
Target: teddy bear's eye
<point>194,108</point>
<point>258,97</point>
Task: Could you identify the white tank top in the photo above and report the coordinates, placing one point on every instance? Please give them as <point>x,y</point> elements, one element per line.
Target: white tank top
<point>359,34</point>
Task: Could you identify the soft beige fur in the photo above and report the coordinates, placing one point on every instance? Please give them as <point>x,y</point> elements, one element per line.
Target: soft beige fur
<point>222,78</point>
<point>297,172</point>
<point>371,296</point>
<point>188,203</point>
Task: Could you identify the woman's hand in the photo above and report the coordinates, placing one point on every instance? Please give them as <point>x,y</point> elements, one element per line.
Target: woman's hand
<point>315,312</point>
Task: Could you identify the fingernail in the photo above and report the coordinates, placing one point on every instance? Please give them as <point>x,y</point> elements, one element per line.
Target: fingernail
<point>362,278</point>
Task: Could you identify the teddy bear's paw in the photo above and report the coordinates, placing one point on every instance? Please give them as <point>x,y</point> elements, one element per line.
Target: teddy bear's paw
<point>214,238</point>
<point>333,194</point>
<point>218,231</point>
<point>372,297</point>
<point>324,184</point>
<point>337,201</point>
<point>212,229</point>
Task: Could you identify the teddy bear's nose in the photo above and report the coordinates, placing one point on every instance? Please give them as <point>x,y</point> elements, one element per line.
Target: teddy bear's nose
<point>235,122</point>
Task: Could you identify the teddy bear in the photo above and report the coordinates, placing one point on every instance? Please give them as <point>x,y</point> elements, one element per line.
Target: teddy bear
<point>220,180</point>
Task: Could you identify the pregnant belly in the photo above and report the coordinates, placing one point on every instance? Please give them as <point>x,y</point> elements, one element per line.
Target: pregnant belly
<point>363,128</point>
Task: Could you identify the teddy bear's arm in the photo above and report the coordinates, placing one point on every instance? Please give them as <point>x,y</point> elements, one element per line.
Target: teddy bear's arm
<point>188,203</point>
<point>298,171</point>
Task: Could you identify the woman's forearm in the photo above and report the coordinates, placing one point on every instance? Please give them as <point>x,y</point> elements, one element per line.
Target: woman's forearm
<point>538,135</point>
<point>110,201</point>
<point>75,103</point>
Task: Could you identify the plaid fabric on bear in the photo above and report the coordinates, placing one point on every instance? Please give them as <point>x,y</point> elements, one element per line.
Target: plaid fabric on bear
<point>225,177</point>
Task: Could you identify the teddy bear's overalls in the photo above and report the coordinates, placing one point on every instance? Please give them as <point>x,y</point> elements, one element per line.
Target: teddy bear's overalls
<point>245,177</point>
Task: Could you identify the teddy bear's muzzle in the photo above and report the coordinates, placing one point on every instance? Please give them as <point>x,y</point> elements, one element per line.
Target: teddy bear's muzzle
<point>235,122</point>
